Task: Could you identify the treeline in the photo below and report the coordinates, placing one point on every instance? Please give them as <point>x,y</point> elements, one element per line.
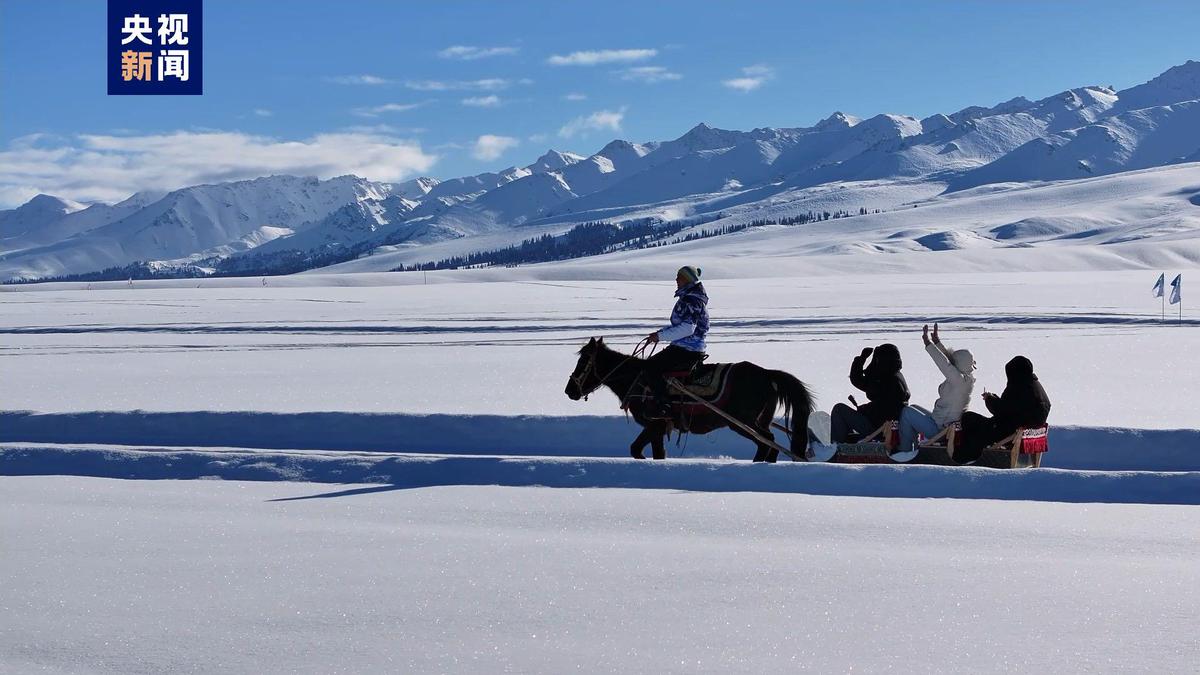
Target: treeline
<point>585,239</point>
<point>599,237</point>
<point>137,271</point>
<point>289,261</point>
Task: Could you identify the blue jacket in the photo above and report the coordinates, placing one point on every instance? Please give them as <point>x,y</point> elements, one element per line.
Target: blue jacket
<point>689,319</point>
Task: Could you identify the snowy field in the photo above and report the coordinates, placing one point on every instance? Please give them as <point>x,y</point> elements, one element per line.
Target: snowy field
<point>445,507</point>
<point>507,347</point>
<point>203,576</point>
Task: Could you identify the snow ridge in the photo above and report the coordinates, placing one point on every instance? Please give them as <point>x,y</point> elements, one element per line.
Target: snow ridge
<point>1076,134</point>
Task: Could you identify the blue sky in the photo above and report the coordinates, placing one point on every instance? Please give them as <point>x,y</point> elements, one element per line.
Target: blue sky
<point>369,86</point>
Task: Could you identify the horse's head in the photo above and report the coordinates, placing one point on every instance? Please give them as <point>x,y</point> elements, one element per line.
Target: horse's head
<point>584,379</point>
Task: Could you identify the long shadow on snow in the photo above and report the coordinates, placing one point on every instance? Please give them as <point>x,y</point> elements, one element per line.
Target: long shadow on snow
<point>1095,448</point>
<point>392,472</point>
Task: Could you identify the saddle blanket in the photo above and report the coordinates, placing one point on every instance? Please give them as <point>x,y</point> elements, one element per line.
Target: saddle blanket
<point>708,381</point>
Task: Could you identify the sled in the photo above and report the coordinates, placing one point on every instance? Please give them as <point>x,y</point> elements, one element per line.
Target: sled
<point>1023,449</point>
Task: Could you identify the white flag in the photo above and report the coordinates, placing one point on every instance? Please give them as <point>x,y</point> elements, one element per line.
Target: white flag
<point>1158,285</point>
<point>1176,290</point>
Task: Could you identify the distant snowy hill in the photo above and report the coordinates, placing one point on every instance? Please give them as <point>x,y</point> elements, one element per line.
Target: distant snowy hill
<point>841,163</point>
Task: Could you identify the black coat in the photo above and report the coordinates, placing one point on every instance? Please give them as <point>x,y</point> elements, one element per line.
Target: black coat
<point>1023,404</point>
<point>882,382</point>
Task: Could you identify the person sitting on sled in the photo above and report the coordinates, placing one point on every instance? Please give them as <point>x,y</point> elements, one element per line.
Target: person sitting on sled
<point>954,393</point>
<point>886,391</point>
<point>689,325</point>
<point>1023,404</point>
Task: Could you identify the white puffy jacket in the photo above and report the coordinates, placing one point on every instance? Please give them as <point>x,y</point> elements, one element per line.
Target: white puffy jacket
<point>954,393</point>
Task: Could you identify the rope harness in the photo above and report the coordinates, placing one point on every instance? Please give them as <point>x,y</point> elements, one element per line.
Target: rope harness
<point>579,376</point>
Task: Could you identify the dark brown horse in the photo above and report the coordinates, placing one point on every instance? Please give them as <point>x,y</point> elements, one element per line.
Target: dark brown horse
<point>755,394</point>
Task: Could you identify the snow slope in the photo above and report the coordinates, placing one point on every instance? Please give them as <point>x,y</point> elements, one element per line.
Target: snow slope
<point>197,222</point>
<point>1130,219</point>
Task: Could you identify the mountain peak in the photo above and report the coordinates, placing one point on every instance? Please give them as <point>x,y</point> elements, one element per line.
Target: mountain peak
<point>50,204</point>
<point>415,188</point>
<point>705,137</point>
<point>838,120</point>
<point>620,149</point>
<point>553,160</point>
<point>1175,85</point>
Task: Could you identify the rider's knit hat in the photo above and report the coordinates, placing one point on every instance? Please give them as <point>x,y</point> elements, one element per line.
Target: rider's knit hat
<point>692,274</point>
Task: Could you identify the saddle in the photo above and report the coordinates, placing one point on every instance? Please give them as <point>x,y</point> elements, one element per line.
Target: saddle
<point>709,381</point>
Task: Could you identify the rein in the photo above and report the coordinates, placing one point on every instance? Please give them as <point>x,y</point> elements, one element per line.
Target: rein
<point>638,352</point>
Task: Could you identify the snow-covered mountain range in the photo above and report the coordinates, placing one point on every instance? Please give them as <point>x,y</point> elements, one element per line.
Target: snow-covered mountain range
<point>882,162</point>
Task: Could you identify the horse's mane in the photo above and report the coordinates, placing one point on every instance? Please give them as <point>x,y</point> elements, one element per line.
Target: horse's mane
<point>609,351</point>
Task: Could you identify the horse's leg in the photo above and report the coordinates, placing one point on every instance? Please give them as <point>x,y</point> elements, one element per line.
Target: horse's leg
<point>658,440</point>
<point>763,452</point>
<point>772,453</point>
<point>764,430</point>
<point>640,443</point>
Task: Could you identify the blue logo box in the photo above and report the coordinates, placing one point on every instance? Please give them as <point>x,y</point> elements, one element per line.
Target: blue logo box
<point>155,47</point>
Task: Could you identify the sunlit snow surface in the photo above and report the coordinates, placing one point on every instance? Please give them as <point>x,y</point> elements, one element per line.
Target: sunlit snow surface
<point>188,576</point>
<point>507,347</point>
<point>457,557</point>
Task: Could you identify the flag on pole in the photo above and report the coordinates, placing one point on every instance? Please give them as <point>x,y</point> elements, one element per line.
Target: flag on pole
<point>1177,290</point>
<point>1158,285</point>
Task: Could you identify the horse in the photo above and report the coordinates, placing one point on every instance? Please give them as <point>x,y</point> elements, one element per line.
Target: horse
<point>756,393</point>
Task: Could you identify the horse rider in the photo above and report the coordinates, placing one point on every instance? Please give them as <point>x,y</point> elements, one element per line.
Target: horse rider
<point>689,325</point>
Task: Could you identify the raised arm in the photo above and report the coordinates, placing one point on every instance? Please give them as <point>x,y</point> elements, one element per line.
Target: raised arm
<point>941,358</point>
<point>857,377</point>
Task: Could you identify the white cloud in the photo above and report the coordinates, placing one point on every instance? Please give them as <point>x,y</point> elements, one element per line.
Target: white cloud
<point>648,74</point>
<point>109,167</point>
<point>358,79</point>
<point>489,147</point>
<point>487,84</point>
<point>377,110</point>
<point>754,78</point>
<point>592,58</point>
<point>469,53</point>
<point>601,120</point>
<point>489,101</point>
<point>263,112</point>
<point>575,96</point>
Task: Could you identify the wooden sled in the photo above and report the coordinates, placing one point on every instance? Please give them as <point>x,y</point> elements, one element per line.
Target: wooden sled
<point>1023,449</point>
<point>876,447</point>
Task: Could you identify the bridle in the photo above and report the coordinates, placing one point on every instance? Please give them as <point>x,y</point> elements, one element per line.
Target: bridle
<point>580,375</point>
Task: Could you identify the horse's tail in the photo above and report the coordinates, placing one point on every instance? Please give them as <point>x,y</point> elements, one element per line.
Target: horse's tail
<point>797,404</point>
